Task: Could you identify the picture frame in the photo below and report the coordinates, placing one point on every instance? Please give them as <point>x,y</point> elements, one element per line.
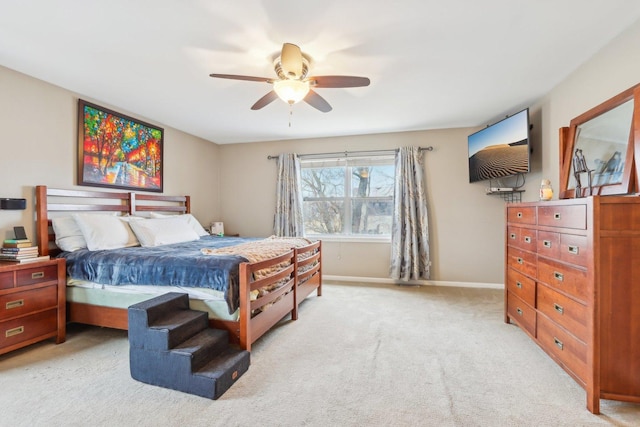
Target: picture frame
<point>598,148</point>
<point>118,151</point>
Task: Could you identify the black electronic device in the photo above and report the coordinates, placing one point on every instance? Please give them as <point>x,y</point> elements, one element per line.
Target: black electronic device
<point>21,234</point>
<point>6,203</point>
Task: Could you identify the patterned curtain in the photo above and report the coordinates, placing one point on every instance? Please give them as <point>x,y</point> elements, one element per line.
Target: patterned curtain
<point>288,221</point>
<point>410,231</point>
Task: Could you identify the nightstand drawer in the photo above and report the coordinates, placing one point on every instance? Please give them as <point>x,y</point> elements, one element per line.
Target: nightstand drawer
<point>34,275</point>
<point>571,281</point>
<point>24,302</point>
<point>565,347</point>
<point>521,313</point>
<point>6,280</point>
<point>571,216</point>
<point>26,328</point>
<point>564,311</point>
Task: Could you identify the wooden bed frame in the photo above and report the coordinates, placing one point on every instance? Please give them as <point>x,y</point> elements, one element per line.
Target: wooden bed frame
<point>247,329</point>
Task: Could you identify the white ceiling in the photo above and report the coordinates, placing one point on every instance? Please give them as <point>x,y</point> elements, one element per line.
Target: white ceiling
<point>432,63</point>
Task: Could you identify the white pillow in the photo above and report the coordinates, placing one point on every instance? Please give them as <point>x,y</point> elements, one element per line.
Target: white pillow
<point>68,235</point>
<point>105,231</point>
<point>163,231</point>
<point>191,220</point>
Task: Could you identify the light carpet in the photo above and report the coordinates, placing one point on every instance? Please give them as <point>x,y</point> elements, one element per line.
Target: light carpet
<point>377,355</point>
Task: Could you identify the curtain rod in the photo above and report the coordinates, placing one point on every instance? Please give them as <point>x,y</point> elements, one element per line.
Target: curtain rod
<point>348,153</point>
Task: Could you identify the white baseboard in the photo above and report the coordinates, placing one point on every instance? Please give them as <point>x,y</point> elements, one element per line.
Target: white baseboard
<point>388,281</point>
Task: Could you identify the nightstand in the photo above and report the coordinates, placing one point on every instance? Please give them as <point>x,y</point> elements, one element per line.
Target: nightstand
<point>32,303</point>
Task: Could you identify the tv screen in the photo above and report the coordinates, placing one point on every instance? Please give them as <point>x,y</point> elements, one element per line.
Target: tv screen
<point>501,149</point>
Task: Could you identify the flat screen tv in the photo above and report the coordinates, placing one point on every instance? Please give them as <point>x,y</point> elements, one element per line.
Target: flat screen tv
<point>500,150</point>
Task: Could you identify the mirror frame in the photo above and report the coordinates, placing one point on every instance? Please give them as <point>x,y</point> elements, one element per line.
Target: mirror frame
<point>567,144</point>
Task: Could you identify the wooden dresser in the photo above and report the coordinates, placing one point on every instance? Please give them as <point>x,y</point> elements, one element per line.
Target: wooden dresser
<point>32,303</point>
<point>572,275</point>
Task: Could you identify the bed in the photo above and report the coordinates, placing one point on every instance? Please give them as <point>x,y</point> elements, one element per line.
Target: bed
<point>260,289</point>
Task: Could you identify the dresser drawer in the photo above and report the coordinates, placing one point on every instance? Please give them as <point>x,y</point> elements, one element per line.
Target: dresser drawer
<point>522,261</point>
<point>34,275</point>
<point>574,249</point>
<point>571,216</point>
<point>6,280</point>
<point>521,214</point>
<point>549,244</point>
<point>566,312</point>
<point>24,302</point>
<point>524,238</point>
<point>26,328</point>
<point>522,286</point>
<point>568,350</point>
<point>521,313</point>
<point>571,281</point>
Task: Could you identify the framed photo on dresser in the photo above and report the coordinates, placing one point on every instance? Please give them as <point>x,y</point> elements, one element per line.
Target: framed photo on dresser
<point>118,151</point>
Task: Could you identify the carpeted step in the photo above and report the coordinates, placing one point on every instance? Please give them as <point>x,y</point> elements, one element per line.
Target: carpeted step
<point>179,326</point>
<point>202,346</point>
<point>224,370</point>
<point>159,306</point>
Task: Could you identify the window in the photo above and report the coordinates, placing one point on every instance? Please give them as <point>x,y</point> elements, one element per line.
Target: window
<point>348,196</point>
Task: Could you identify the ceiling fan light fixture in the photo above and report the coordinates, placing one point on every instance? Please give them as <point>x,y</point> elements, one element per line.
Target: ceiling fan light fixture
<point>291,91</point>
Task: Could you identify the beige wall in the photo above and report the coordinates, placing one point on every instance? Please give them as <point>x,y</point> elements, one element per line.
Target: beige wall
<point>38,145</point>
<point>235,183</point>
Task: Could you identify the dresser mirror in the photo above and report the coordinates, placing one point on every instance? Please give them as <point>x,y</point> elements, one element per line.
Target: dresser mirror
<point>598,148</point>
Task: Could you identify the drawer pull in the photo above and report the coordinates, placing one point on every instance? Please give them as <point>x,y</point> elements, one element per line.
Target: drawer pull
<point>520,260</point>
<point>14,304</point>
<point>558,276</point>
<point>546,244</point>
<point>14,331</point>
<point>558,343</point>
<point>512,236</point>
<point>519,285</point>
<point>557,216</point>
<point>574,250</point>
<point>37,275</point>
<point>519,311</point>
<point>519,214</point>
<point>558,308</point>
<point>527,239</point>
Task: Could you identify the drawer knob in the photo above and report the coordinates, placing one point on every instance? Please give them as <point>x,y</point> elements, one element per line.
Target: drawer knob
<point>558,343</point>
<point>37,275</point>
<point>519,214</point>
<point>14,331</point>
<point>519,311</point>
<point>573,250</point>
<point>546,243</point>
<point>557,216</point>
<point>14,304</point>
<point>519,285</point>
<point>558,276</point>
<point>520,260</point>
<point>512,236</point>
<point>527,239</point>
<point>558,308</point>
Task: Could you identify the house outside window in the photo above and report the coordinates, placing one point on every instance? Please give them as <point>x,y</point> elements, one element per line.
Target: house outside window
<point>348,196</point>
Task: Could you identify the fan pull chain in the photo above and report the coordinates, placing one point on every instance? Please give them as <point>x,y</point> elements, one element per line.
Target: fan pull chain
<point>290,113</point>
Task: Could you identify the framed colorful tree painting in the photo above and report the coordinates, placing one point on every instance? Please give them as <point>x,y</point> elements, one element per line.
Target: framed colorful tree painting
<point>118,151</point>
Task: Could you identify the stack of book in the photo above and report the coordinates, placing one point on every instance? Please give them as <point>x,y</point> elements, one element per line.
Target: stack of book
<point>21,251</point>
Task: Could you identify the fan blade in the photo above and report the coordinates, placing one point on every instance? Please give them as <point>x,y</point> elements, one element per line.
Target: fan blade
<point>265,100</point>
<point>236,77</point>
<point>291,60</point>
<point>338,81</point>
<point>317,102</point>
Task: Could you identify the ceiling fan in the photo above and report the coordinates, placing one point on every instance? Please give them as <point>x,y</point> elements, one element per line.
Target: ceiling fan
<point>293,85</point>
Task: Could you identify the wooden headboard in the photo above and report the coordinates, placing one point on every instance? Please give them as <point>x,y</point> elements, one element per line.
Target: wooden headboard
<point>49,200</point>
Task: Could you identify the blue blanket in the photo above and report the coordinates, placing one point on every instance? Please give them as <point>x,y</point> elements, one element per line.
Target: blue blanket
<point>179,264</point>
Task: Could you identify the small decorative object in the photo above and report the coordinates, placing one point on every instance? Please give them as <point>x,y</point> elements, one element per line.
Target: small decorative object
<point>546,191</point>
<point>580,166</point>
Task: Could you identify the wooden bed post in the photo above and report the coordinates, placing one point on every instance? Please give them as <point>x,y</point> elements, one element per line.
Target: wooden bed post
<point>319,291</point>
<point>245,307</point>
<point>42,223</point>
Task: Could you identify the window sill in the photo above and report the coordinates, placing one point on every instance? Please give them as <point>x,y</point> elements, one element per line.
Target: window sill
<point>351,239</point>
